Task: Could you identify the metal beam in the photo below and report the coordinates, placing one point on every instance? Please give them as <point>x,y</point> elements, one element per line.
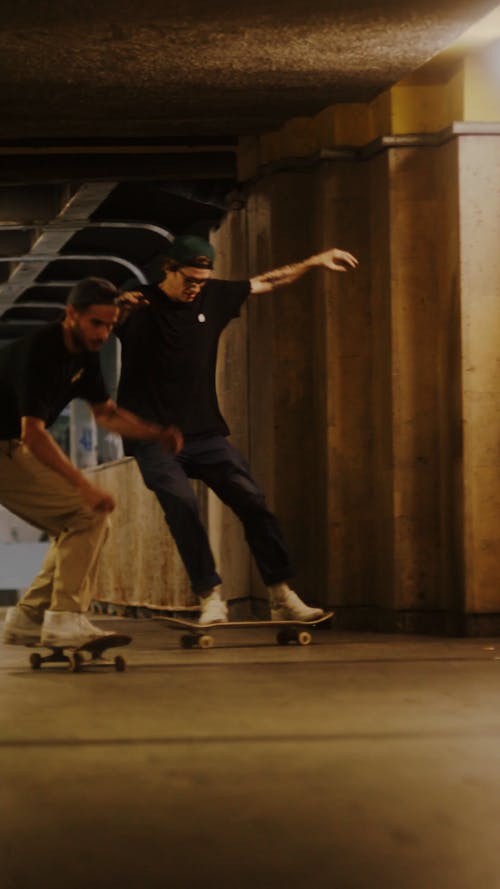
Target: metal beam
<point>33,264</point>
<point>21,169</point>
<point>68,226</point>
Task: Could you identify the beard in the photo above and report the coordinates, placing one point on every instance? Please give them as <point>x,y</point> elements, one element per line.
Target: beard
<point>80,343</point>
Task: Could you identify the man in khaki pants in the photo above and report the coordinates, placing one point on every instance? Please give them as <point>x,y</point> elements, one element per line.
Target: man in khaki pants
<point>39,375</point>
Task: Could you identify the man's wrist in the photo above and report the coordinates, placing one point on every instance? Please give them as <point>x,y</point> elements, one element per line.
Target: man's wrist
<point>156,432</point>
<point>316,259</point>
<point>80,482</point>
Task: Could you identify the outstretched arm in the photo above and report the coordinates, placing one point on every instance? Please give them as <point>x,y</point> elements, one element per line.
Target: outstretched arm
<point>334,259</point>
<point>116,419</point>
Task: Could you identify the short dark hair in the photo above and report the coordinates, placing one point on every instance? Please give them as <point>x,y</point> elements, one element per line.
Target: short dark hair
<point>92,292</point>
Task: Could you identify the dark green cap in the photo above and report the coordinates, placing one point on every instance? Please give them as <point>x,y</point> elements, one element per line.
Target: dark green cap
<point>190,250</point>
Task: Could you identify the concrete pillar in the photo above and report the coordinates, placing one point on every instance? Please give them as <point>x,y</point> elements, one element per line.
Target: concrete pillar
<point>479,227</point>
<point>415,398</point>
<point>343,438</point>
<point>281,370</point>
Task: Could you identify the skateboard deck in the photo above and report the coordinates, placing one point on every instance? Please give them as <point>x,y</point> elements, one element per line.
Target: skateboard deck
<point>298,631</point>
<point>77,657</point>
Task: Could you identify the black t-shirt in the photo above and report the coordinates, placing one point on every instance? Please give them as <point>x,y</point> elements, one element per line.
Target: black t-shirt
<point>169,354</point>
<point>38,377</point>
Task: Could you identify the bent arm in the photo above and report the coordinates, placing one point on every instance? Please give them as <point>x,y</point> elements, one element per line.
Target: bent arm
<point>128,302</point>
<point>334,259</point>
<point>41,444</point>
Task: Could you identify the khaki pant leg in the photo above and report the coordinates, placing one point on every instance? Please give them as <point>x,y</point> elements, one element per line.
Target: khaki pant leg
<point>39,495</point>
<point>38,596</point>
<point>77,559</point>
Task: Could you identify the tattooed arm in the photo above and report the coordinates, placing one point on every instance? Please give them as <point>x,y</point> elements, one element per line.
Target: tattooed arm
<point>337,260</point>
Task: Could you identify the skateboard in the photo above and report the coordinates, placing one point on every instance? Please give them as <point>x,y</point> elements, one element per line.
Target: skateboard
<point>298,631</point>
<point>78,657</point>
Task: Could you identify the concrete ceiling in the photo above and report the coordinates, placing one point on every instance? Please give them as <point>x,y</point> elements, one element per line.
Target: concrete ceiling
<point>206,71</point>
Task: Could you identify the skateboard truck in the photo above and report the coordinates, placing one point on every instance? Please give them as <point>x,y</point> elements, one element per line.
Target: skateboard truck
<point>77,657</point>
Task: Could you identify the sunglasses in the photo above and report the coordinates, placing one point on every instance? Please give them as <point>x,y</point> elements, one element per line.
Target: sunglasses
<point>198,282</point>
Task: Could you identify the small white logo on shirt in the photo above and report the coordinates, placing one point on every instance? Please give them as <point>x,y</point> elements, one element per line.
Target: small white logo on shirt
<point>201,318</point>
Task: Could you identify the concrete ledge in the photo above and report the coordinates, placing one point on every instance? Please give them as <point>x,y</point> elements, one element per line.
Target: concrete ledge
<point>371,149</point>
<point>140,565</point>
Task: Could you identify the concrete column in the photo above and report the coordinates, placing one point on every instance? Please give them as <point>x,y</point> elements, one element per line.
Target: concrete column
<point>282,324</point>
<point>379,592</point>
<point>422,342</point>
<point>343,437</point>
<point>479,177</point>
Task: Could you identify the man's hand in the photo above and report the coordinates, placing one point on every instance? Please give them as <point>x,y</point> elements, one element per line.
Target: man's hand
<point>118,420</point>
<point>336,260</point>
<point>96,498</point>
<point>131,299</point>
<point>171,438</point>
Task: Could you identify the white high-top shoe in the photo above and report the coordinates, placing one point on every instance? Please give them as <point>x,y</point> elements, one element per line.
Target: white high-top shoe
<point>213,609</point>
<point>19,628</point>
<point>69,628</point>
<point>286,605</point>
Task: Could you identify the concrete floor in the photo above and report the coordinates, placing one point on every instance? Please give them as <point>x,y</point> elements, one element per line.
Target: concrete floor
<point>361,761</point>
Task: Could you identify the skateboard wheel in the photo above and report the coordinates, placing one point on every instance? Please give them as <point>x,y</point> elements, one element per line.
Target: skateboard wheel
<point>35,661</point>
<point>205,642</point>
<point>304,638</point>
<point>75,662</point>
<point>187,641</point>
<point>120,664</point>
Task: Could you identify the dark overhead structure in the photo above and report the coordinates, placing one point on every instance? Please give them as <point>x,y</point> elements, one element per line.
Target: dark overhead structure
<point>201,74</point>
<point>138,109</point>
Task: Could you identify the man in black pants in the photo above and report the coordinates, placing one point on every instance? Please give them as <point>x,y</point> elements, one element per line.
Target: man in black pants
<point>169,355</point>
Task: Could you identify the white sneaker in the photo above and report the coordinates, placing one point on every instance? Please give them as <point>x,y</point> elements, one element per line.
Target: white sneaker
<point>69,628</point>
<point>19,628</point>
<point>213,609</point>
<point>286,605</point>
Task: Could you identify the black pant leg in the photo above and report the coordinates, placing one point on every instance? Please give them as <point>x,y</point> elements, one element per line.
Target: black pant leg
<point>227,473</point>
<point>164,475</point>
